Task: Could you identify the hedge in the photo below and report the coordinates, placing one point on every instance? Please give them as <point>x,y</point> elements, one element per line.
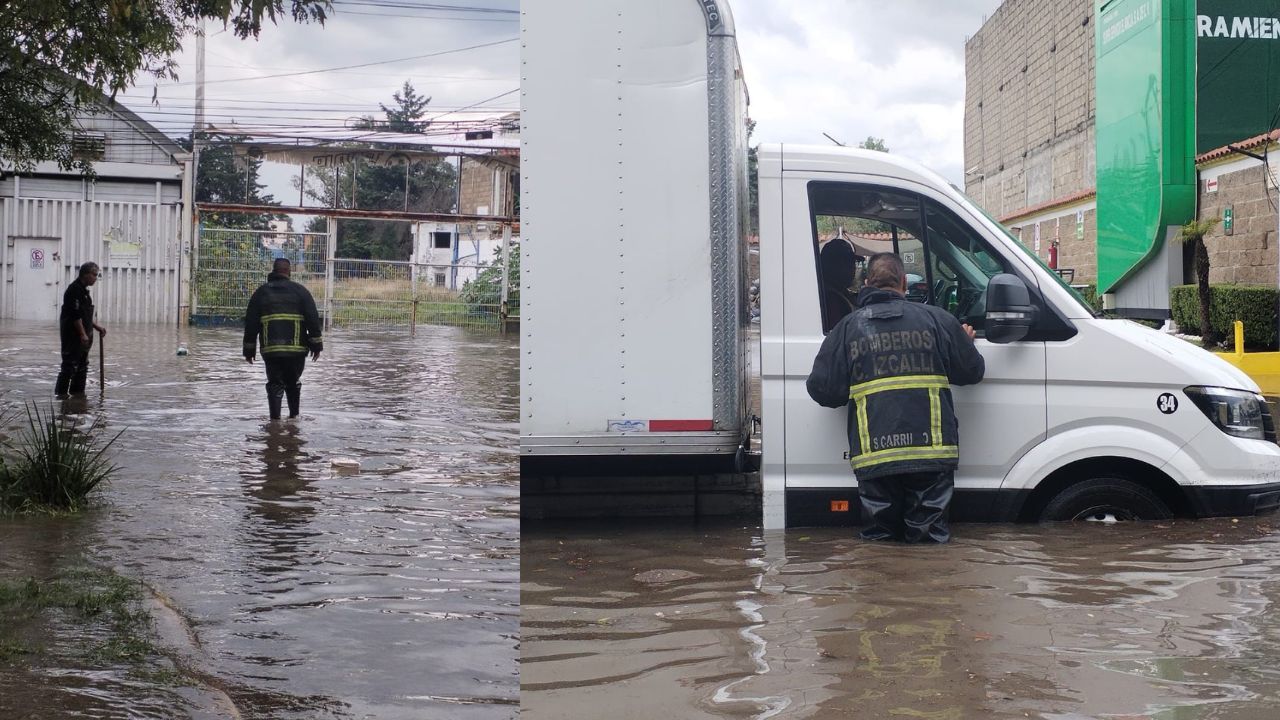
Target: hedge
<point>1090,294</point>
<point>1253,304</point>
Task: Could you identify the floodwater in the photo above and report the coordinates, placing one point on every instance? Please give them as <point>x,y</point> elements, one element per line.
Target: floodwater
<point>297,590</point>
<point>1168,621</point>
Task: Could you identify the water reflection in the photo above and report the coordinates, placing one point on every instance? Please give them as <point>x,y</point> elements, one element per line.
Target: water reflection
<point>1171,621</point>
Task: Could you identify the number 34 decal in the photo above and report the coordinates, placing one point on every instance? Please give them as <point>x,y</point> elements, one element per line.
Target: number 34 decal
<point>1167,403</point>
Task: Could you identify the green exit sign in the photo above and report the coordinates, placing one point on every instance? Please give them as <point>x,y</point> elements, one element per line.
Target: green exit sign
<point>1228,218</point>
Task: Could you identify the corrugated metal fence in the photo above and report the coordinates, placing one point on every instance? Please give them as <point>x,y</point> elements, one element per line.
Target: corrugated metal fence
<point>137,246</point>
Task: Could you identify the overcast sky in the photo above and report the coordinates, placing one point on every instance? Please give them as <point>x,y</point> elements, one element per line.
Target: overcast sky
<point>893,69</point>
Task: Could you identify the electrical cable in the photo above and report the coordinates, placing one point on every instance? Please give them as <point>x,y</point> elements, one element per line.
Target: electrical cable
<point>351,67</point>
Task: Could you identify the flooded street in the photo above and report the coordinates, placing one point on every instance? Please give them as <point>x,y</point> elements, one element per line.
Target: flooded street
<point>298,590</point>
<point>1170,621</point>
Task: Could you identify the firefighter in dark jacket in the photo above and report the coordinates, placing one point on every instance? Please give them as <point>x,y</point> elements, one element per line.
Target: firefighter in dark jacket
<point>75,329</point>
<point>893,362</point>
<point>282,317</point>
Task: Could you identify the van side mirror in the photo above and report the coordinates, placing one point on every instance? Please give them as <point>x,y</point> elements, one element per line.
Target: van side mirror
<point>1010,313</point>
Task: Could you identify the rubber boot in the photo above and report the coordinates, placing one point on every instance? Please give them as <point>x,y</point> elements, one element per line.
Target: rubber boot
<point>927,501</point>
<point>275,394</point>
<point>294,393</point>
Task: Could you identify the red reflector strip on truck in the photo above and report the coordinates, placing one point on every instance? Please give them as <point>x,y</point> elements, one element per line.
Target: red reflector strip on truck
<point>680,425</point>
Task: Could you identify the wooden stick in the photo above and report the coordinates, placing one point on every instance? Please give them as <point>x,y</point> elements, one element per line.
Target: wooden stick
<point>102,363</point>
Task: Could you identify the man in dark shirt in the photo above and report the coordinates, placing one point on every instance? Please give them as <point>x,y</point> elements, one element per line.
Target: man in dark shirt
<point>75,327</point>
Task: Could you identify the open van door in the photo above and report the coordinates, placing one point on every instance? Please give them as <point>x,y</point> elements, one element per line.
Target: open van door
<point>949,263</point>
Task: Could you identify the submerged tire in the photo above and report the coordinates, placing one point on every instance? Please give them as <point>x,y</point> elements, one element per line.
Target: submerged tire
<point>1105,499</point>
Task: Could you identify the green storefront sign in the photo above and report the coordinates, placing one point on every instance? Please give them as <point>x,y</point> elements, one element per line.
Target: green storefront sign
<point>1145,130</point>
<point>1238,77</point>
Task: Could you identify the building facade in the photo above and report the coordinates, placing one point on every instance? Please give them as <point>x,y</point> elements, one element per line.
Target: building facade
<point>1030,117</point>
<point>126,219</point>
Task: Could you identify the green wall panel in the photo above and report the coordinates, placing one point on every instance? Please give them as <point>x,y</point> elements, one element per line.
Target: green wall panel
<point>1145,129</point>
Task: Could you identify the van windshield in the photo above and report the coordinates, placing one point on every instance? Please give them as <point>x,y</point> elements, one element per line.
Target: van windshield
<point>1073,292</point>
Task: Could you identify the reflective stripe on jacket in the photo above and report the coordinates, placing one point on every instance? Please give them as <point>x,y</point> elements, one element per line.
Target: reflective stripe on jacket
<point>893,363</point>
<point>283,319</point>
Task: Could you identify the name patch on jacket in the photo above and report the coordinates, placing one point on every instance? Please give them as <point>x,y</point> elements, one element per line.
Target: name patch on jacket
<point>898,352</point>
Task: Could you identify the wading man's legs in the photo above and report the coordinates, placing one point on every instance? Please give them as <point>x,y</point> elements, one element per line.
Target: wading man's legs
<point>927,498</point>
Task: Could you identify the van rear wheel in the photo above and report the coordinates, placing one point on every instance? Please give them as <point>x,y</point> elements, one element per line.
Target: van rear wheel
<point>1105,499</point>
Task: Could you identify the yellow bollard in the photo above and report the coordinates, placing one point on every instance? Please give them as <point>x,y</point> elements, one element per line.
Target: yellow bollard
<point>1239,327</point>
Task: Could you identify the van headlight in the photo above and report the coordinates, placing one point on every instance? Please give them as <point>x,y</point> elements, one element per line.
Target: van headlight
<point>1236,412</point>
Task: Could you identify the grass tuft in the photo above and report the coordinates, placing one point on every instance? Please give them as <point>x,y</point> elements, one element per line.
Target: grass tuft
<point>53,466</point>
<point>91,597</point>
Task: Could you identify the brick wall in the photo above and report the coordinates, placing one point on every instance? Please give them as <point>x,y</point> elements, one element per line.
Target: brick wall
<point>1080,255</point>
<point>1029,110</point>
<point>477,187</point>
<point>1248,255</point>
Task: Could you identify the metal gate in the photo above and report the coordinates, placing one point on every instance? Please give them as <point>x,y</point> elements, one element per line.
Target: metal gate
<point>231,263</point>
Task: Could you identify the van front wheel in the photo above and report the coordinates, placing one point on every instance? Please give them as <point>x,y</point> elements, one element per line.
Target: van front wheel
<point>1106,499</point>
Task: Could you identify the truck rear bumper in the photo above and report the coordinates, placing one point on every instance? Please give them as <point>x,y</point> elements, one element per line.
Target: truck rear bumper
<point>715,442</point>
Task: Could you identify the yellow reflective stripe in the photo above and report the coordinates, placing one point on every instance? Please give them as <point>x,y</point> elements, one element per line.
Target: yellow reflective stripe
<point>282,316</point>
<point>899,382</point>
<point>935,416</point>
<point>282,348</point>
<point>942,452</point>
<point>864,433</point>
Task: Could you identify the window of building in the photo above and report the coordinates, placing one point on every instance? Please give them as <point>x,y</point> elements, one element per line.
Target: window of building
<point>88,145</point>
<point>439,279</point>
<point>441,240</point>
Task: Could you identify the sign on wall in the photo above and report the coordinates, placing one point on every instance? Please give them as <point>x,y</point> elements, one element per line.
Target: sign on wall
<point>1238,70</point>
<point>37,259</point>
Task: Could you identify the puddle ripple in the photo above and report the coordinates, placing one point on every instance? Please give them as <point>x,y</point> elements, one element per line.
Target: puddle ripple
<point>1175,620</point>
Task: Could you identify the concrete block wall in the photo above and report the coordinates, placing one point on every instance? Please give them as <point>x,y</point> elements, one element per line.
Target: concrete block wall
<point>1029,109</point>
<point>1248,255</point>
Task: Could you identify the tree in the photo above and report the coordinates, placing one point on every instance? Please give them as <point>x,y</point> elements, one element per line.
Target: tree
<point>484,293</point>
<point>58,58</point>
<point>221,177</point>
<point>430,185</point>
<point>873,143</point>
<point>1194,232</point>
<point>406,117</point>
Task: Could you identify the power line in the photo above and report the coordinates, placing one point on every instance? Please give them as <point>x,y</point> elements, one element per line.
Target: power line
<point>352,67</point>
<point>482,102</point>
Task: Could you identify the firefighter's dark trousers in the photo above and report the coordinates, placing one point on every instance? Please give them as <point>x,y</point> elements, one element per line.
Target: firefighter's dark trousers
<point>74,369</point>
<point>912,507</point>
<point>283,374</point>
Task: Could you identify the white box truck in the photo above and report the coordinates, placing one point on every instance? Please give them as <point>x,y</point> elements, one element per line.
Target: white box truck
<point>634,349</point>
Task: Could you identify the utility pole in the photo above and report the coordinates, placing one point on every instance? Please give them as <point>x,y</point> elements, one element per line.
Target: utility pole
<point>197,128</point>
<point>190,238</point>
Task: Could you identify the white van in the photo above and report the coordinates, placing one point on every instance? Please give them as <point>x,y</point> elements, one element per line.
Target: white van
<point>1079,417</point>
<point>635,330</point>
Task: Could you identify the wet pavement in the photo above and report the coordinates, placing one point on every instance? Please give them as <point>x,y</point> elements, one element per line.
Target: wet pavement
<point>304,591</point>
<point>1167,621</point>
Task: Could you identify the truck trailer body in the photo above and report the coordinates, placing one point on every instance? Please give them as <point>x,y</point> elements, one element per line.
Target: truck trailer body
<point>633,221</point>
